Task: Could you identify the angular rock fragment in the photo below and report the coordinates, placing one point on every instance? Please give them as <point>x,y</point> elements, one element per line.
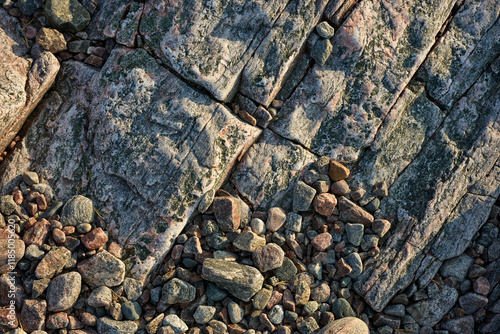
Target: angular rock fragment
<point>352,213</point>
<point>241,281</point>
<point>102,269</point>
<point>227,213</point>
<point>7,261</point>
<point>67,15</point>
<point>430,311</point>
<point>176,291</point>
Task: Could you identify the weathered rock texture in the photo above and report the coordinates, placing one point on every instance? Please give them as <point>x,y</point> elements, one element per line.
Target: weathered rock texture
<point>409,96</point>
<point>24,80</point>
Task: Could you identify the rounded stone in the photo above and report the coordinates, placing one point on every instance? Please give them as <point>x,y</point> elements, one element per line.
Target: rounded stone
<point>268,257</point>
<point>176,291</point>
<point>63,291</point>
<point>131,310</point>
<point>342,309</point>
<point>204,314</point>
<point>347,325</point>
<point>67,15</point>
<point>258,226</point>
<point>276,314</point>
<point>286,271</point>
<point>215,293</point>
<point>235,312</point>
<point>325,30</point>
<point>78,210</point>
<point>324,204</point>
<point>51,40</point>
<point>100,297</point>
<point>102,269</point>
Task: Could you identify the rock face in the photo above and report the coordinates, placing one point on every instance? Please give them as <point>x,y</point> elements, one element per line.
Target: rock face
<point>25,80</point>
<point>241,281</point>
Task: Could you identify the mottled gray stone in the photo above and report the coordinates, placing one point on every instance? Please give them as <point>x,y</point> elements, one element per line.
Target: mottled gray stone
<point>240,280</point>
<point>107,325</point>
<point>457,267</point>
<point>469,45</point>
<point>77,210</point>
<point>63,291</point>
<point>176,291</point>
<point>102,269</point>
<point>321,51</point>
<point>429,312</point>
<point>67,15</point>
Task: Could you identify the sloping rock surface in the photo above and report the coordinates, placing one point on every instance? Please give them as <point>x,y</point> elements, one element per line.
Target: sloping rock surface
<point>24,80</point>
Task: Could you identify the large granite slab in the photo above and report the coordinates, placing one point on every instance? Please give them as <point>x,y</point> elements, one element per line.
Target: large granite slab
<point>337,108</point>
<point>208,43</point>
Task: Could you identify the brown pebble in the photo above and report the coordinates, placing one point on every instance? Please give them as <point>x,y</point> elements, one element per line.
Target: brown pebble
<point>247,117</point>
<point>58,236</point>
<point>94,239</point>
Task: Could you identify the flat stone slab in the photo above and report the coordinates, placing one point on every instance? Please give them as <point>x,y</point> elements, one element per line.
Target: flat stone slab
<point>24,81</point>
<point>337,108</point>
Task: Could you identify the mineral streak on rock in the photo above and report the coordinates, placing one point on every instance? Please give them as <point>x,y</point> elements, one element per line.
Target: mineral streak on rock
<point>337,108</point>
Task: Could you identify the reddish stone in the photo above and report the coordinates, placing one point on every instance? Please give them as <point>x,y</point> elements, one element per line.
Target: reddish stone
<point>274,300</point>
<point>343,269</point>
<point>193,246</point>
<point>33,315</point>
<point>8,319</point>
<point>463,325</point>
<point>338,227</point>
<point>275,219</point>
<point>322,241</point>
<point>381,226</point>
<point>227,213</point>
<point>94,239</point>
<point>6,264</point>
<point>18,196</point>
<point>57,321</point>
<point>99,51</point>
<point>177,252</point>
<point>325,203</point>
<point>58,235</point>
<point>340,246</point>
<point>235,329</point>
<point>31,32</point>
<point>115,249</point>
<point>32,195</point>
<point>479,315</point>
<point>338,171</point>
<point>53,262</point>
<point>88,319</point>
<point>65,55</point>
<point>288,301</point>
<point>294,245</point>
<point>38,233</point>
<point>353,213</point>
<point>29,223</point>
<point>482,286</point>
<point>68,230</point>
<point>74,323</point>
<point>94,61</point>
<point>41,202</point>
<point>264,320</point>
<point>268,257</point>
<point>340,188</point>
<point>81,56</point>
<point>31,208</point>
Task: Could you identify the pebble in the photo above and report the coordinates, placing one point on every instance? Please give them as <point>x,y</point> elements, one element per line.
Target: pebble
<point>320,293</point>
<point>322,241</point>
<point>53,262</point>
<point>132,288</point>
<point>176,323</point>
<point>316,269</point>
<point>261,299</point>
<point>77,210</point>
<point>110,326</point>
<point>353,213</point>
<point>206,200</point>
<point>235,313</point>
<point>325,30</point>
<point>482,286</point>
<point>286,271</point>
<point>311,176</point>
<point>341,309</point>
<point>346,325</point>
<point>456,267</point>
<point>58,235</point>
<point>83,228</point>
<point>373,205</point>
<point>7,205</point>
<point>94,239</point>
<point>7,261</point>
<point>268,257</point>
<point>275,219</point>
<point>63,291</point>
<point>30,178</point>
<point>381,227</point>
<point>340,188</point>
<point>302,293</point>
<point>100,297</point>
<point>33,314</point>
<point>293,222</point>
<point>176,291</point>
<point>249,241</point>
<point>258,226</point>
<point>227,213</point>
<point>338,171</point>
<point>102,269</point>
<point>308,326</point>
<point>215,293</point>
<point>354,233</point>
<point>325,203</point>
<point>369,241</point>
<point>321,52</point>
<point>67,16</point>
<point>193,246</point>
<point>354,261</point>
<point>397,310</point>
<point>204,314</point>
<point>51,40</point>
<point>276,314</point>
<point>131,310</point>
<point>58,320</point>
<point>472,302</point>
<point>303,196</point>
